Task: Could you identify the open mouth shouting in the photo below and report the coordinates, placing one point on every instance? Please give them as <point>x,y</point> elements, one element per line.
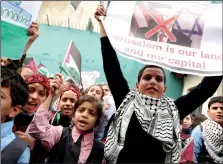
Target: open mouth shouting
<point>32,106</point>
<point>82,123</point>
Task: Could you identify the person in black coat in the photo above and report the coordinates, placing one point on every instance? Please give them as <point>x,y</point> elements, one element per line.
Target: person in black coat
<point>140,146</point>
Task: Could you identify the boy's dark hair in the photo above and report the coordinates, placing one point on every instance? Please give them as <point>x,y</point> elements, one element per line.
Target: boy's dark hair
<point>19,90</point>
<point>151,66</point>
<point>217,99</point>
<point>86,91</point>
<point>92,100</point>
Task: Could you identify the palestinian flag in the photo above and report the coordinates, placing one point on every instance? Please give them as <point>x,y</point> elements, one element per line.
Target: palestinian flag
<point>42,70</point>
<point>29,61</point>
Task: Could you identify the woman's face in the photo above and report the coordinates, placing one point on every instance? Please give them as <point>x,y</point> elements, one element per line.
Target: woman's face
<point>96,92</point>
<point>187,122</point>
<point>152,83</point>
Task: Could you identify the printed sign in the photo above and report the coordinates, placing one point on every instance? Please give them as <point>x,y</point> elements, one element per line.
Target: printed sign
<point>182,36</point>
<point>16,17</point>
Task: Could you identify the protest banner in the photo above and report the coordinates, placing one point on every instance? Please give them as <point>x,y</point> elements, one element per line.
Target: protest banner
<point>71,66</point>
<point>181,36</point>
<point>16,17</point>
<point>89,78</point>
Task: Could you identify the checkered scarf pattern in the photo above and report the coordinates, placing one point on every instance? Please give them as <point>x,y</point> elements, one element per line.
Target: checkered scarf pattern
<point>213,141</point>
<point>158,117</point>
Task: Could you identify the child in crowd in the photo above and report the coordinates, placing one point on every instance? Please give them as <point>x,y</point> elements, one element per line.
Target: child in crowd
<point>106,89</point>
<point>14,94</point>
<point>186,128</point>
<point>38,91</point>
<point>66,106</point>
<point>95,91</point>
<point>145,118</point>
<point>98,92</point>
<point>208,141</point>
<point>74,144</point>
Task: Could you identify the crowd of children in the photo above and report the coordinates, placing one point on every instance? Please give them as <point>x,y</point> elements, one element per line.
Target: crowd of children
<point>108,123</point>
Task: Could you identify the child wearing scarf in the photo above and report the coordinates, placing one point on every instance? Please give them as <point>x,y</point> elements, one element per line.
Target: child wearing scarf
<point>208,141</point>
<point>145,118</point>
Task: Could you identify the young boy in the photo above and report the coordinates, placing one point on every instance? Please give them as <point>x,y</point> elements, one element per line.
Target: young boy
<point>208,142</point>
<point>74,144</point>
<point>14,94</point>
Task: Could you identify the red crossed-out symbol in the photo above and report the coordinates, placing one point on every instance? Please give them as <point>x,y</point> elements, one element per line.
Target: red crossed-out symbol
<point>161,25</point>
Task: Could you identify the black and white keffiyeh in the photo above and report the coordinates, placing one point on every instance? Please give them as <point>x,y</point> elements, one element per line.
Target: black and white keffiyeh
<point>158,117</point>
<point>213,139</point>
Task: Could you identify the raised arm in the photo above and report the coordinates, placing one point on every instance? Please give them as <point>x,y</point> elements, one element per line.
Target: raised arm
<point>191,101</point>
<point>116,81</point>
<point>40,127</point>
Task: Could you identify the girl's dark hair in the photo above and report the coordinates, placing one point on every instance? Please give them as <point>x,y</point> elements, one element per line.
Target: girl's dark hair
<point>151,66</point>
<point>86,91</point>
<point>92,100</point>
<point>19,90</point>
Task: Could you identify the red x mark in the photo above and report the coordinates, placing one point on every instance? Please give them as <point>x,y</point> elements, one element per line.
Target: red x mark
<point>161,25</point>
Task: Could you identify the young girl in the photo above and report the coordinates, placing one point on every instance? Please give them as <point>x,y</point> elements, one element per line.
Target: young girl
<point>66,105</point>
<point>71,144</point>
<point>97,92</point>
<point>146,119</point>
<point>186,128</point>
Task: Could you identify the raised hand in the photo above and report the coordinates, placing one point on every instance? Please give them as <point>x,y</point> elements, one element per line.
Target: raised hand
<point>57,86</point>
<point>100,11</point>
<point>33,31</point>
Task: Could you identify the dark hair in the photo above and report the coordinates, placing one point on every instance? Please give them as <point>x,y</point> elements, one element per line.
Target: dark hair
<point>86,91</point>
<point>198,118</point>
<point>92,100</point>
<point>151,66</point>
<point>217,99</point>
<point>19,90</point>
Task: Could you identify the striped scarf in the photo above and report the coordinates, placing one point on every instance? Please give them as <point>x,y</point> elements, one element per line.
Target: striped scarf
<point>213,141</point>
<point>158,117</point>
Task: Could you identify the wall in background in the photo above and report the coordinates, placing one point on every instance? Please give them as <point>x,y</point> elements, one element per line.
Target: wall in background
<point>50,48</point>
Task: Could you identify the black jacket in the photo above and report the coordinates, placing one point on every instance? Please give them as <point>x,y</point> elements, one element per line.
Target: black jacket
<point>139,146</point>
